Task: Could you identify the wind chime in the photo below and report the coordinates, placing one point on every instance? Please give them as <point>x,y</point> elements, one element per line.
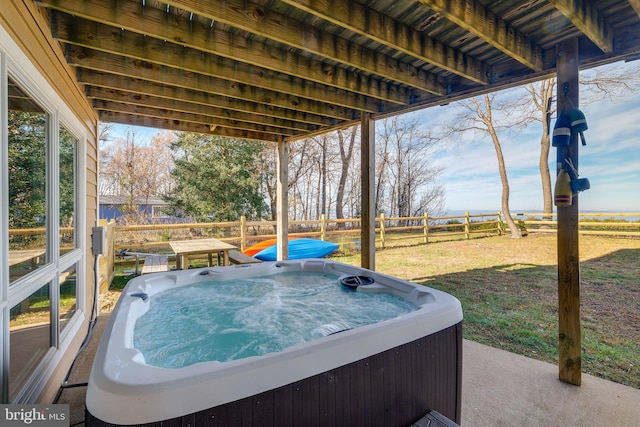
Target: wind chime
<point>572,122</point>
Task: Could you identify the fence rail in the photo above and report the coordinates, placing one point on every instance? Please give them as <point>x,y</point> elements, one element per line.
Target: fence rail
<point>243,232</point>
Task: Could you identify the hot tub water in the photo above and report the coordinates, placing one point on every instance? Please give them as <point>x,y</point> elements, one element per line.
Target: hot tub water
<point>239,318</point>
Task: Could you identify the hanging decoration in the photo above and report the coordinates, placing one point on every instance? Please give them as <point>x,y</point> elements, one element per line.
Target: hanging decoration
<point>568,184</point>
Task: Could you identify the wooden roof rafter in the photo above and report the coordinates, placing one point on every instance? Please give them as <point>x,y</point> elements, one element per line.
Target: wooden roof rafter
<point>183,34</point>
<point>401,37</point>
<point>255,19</point>
<point>276,107</point>
<point>584,15</point>
<point>480,21</point>
<point>298,68</point>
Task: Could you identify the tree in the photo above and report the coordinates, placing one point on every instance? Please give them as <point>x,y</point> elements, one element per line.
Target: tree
<point>616,83</point>
<point>478,116</point>
<point>346,143</point>
<point>27,165</point>
<point>134,169</point>
<point>216,178</point>
<point>542,96</point>
<point>406,179</point>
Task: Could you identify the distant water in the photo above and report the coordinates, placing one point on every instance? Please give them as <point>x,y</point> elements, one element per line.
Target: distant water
<point>583,213</point>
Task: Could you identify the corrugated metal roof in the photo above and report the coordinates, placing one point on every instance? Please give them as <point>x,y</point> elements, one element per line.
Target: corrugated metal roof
<point>270,69</point>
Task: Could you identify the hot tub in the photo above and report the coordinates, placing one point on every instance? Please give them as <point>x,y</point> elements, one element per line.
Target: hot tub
<point>389,373</point>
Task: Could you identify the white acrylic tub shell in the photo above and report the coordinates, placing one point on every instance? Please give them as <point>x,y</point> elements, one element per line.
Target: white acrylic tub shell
<point>124,390</point>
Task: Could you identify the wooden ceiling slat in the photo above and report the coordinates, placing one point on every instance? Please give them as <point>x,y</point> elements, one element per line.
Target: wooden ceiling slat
<point>137,47</point>
<point>178,30</point>
<point>294,68</point>
<point>211,111</point>
<point>179,33</point>
<point>387,31</point>
<point>254,19</point>
<point>115,64</point>
<point>584,15</point>
<point>162,113</point>
<point>137,87</point>
<point>183,126</point>
<point>480,21</point>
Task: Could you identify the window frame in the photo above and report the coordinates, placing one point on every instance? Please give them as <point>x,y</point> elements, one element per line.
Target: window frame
<point>15,65</point>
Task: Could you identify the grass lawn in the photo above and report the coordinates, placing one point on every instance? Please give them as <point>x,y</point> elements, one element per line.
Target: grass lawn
<point>508,290</point>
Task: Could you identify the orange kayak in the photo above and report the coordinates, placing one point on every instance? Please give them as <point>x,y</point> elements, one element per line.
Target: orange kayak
<point>254,249</point>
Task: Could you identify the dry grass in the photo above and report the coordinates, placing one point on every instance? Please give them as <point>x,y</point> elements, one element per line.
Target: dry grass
<point>508,289</point>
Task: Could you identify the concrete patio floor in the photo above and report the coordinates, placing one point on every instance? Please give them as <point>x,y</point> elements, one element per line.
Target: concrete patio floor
<point>499,389</point>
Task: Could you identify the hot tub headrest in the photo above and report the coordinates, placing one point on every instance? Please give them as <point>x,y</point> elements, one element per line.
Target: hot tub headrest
<point>352,282</point>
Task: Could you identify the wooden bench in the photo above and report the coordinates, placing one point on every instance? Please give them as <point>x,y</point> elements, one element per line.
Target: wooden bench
<point>155,264</point>
<point>237,257</point>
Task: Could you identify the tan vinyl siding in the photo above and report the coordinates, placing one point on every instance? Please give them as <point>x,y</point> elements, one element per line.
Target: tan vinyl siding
<point>30,30</point>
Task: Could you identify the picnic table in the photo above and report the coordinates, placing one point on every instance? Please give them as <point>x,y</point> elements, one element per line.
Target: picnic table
<point>185,248</point>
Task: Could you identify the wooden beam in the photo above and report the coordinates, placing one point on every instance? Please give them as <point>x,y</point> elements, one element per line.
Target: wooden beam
<point>164,113</point>
<point>569,333</point>
<point>177,125</point>
<point>178,106</point>
<point>114,42</point>
<point>136,68</point>
<point>260,103</point>
<point>389,32</point>
<point>480,21</point>
<point>175,29</point>
<point>367,174</point>
<point>282,201</point>
<point>112,38</point>
<point>584,15</point>
<point>267,23</point>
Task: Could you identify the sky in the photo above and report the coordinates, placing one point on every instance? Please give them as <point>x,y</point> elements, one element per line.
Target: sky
<point>610,160</point>
<point>470,177</point>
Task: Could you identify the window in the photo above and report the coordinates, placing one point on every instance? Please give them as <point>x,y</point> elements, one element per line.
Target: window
<point>42,295</point>
<point>67,190</point>
<point>27,146</point>
<point>68,295</point>
<point>30,331</point>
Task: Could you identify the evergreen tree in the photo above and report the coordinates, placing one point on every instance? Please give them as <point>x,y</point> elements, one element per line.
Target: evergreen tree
<point>216,178</point>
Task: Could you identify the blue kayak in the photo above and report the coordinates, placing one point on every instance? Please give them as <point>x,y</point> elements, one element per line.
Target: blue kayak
<point>299,249</point>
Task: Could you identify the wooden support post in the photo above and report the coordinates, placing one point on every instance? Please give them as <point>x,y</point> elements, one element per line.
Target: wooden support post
<point>282,203</point>
<point>367,174</point>
<point>243,232</point>
<point>323,227</point>
<point>467,228</point>
<point>569,334</point>
<point>383,241</point>
<point>426,227</point>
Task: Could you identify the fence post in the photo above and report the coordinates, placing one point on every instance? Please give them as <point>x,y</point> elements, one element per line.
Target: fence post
<point>107,261</point>
<point>466,225</point>
<point>243,232</point>
<point>425,228</point>
<point>323,227</point>
<point>382,229</point>
<point>500,224</point>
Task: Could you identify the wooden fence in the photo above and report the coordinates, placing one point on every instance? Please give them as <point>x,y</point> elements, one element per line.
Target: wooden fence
<point>390,231</point>
<point>243,233</point>
<point>604,224</point>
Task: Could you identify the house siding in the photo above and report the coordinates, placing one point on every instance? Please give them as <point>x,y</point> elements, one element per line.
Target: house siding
<point>26,26</point>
